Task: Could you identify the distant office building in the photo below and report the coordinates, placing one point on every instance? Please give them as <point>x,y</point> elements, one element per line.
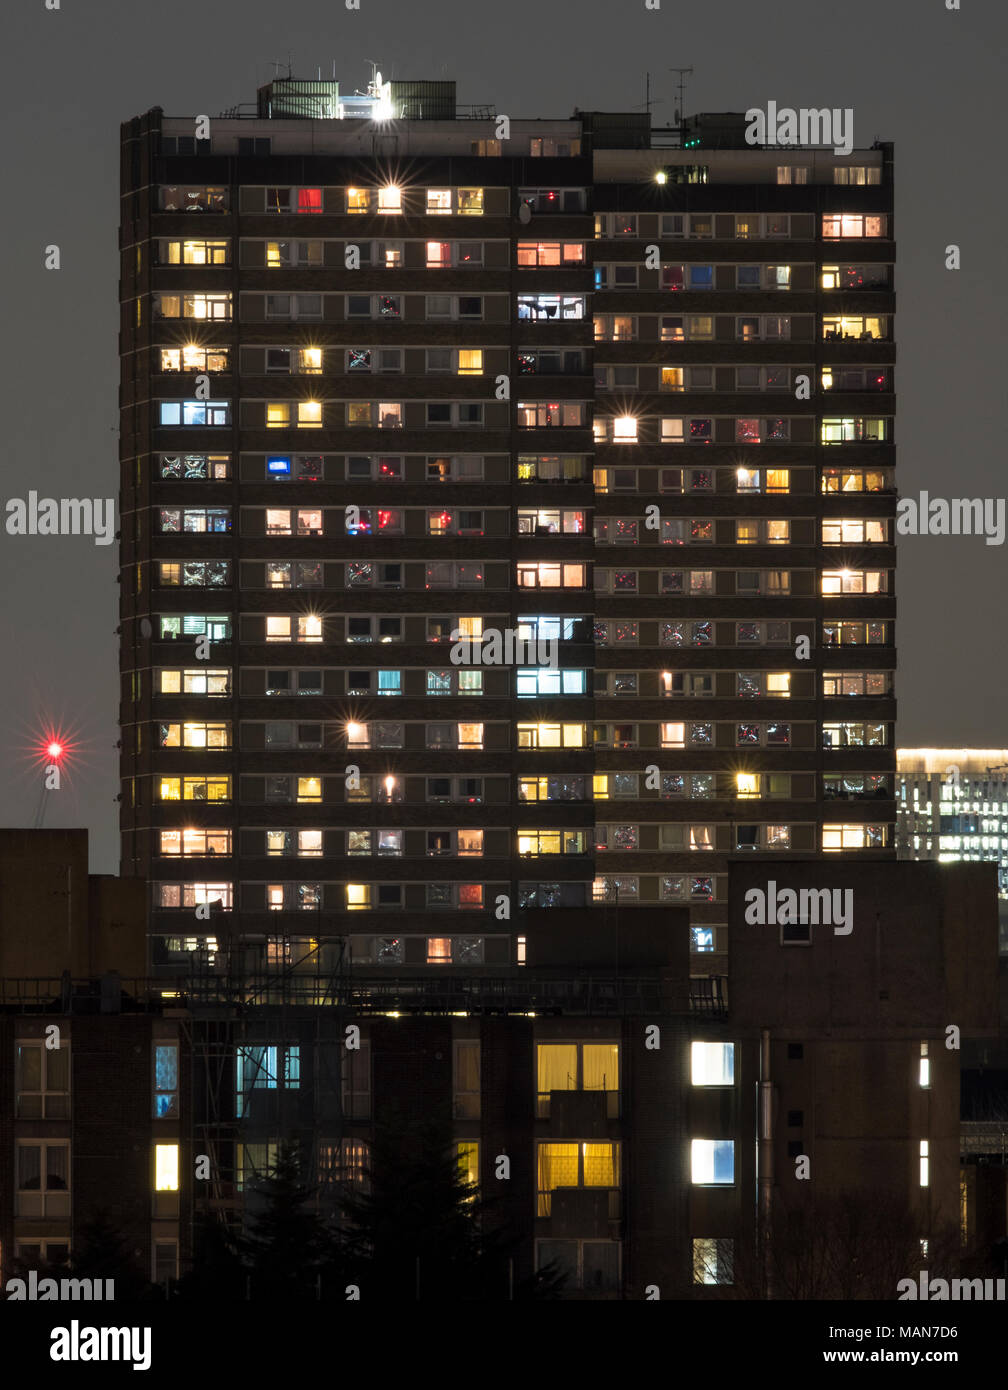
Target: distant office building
<point>952,806</point>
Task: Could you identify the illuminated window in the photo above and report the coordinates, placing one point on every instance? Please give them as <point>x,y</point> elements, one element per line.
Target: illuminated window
<point>625,429</point>
<point>924,1174</point>
<point>578,1067</point>
<point>712,1162</point>
<point>439,950</point>
<point>166,1167</point>
<point>712,1064</point>
<point>309,415</point>
<point>166,1080</point>
<point>309,789</point>
<point>358,897</point>
<point>575,1165</point>
<point>470,361</point>
<point>358,200</point>
<point>924,1071</point>
<point>470,200</point>
<point>439,200</point>
<point>277,415</point>
<point>713,1260</point>
<point>468,1163</point>
<point>390,199</point>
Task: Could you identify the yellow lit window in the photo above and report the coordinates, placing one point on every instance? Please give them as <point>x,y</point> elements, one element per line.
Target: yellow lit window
<point>358,896</point>
<point>470,628</point>
<point>171,788</point>
<point>311,359</point>
<point>390,199</point>
<point>778,480</point>
<point>166,1167</point>
<point>470,200</point>
<point>468,1161</point>
<point>747,784</point>
<point>171,682</point>
<point>309,789</point>
<point>278,629</point>
<point>439,950</point>
<point>310,628</point>
<point>778,532</point>
<point>273,257</point>
<point>747,532</point>
<point>277,415</point>
<point>309,415</point>
<point>779,683</point>
<point>470,361</point>
<point>672,378</point>
<point>625,429</point>
<point>358,200</point>
<point>470,736</point>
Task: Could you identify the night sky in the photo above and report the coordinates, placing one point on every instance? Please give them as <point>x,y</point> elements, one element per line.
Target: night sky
<point>925,78</point>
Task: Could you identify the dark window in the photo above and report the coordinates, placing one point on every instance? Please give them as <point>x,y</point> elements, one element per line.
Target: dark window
<point>796,1052</point>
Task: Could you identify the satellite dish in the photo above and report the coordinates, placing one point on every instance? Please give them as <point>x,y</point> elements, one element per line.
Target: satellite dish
<point>524,214</point>
<point>146,629</point>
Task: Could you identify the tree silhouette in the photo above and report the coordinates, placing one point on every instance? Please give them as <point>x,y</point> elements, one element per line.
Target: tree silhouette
<point>288,1248</point>
<point>416,1229</point>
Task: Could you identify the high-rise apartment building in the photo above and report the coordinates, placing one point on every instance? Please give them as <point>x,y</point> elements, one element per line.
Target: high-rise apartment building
<point>507,521</point>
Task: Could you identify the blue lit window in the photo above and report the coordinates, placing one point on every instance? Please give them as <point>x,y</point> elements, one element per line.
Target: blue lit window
<point>165,1080</point>
<point>389,682</point>
<point>542,680</point>
<point>266,1068</point>
<point>277,467</point>
<point>712,1161</point>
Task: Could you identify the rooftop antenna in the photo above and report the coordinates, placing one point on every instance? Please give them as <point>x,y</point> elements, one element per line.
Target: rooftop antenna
<point>649,101</point>
<point>680,115</point>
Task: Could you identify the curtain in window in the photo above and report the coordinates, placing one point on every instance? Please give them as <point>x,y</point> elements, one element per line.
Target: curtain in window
<point>467,1067</point>
<point>558,1164</point>
<point>600,1166</point>
<point>57,1167</point>
<point>557,1070</point>
<point>600,1066</point>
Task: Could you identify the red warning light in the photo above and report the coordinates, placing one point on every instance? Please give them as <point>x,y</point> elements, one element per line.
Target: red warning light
<point>54,750</point>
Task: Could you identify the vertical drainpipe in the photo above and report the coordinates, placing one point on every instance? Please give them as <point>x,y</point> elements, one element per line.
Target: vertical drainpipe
<point>766,1173</point>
